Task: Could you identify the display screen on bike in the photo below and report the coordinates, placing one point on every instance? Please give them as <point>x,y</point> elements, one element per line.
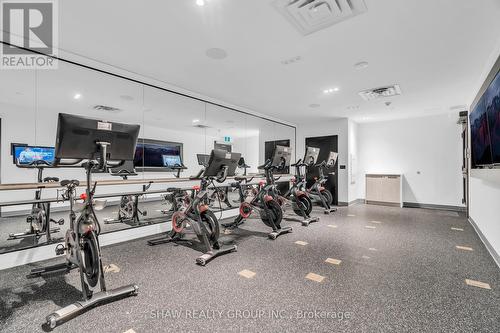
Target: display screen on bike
<point>170,161</point>
<point>29,154</point>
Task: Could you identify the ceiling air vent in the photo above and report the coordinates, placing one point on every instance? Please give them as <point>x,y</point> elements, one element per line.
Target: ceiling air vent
<point>309,16</point>
<point>106,108</point>
<point>201,126</point>
<point>381,92</point>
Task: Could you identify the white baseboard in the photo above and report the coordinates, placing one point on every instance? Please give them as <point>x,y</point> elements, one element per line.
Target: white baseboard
<point>489,247</point>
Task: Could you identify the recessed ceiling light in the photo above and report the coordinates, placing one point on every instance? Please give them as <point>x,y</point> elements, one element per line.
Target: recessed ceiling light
<point>200,2</point>
<point>330,90</point>
<point>77,96</point>
<point>196,121</point>
<point>314,106</point>
<point>216,53</point>
<point>361,65</point>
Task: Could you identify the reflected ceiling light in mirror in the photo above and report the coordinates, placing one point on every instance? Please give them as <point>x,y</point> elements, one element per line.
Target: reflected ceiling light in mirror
<point>77,96</point>
<point>200,3</point>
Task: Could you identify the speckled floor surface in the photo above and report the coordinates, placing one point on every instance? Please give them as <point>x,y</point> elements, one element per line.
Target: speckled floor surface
<point>403,275</point>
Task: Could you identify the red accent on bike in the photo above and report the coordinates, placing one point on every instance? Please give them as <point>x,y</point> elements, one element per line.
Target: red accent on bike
<point>245,210</point>
<point>268,198</point>
<point>177,225</point>
<point>202,208</point>
<point>83,196</point>
<point>196,187</point>
<point>300,194</point>
<point>262,182</point>
<point>321,189</point>
<point>88,229</point>
<point>293,180</point>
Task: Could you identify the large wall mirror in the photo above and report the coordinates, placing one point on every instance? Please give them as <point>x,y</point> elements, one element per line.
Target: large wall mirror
<point>185,128</point>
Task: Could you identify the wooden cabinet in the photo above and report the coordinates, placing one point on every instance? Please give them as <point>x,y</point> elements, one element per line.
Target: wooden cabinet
<point>384,189</point>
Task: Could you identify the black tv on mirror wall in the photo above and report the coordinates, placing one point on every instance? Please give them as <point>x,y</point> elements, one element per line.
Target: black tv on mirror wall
<point>154,155</point>
<point>485,127</point>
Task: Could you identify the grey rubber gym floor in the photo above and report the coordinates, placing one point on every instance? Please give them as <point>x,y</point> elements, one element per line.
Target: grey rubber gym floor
<point>403,275</point>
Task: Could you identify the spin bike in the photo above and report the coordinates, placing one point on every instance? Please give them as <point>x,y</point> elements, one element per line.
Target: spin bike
<point>318,192</point>
<point>128,211</point>
<point>196,215</point>
<point>82,238</point>
<point>296,198</point>
<point>39,218</point>
<point>262,201</point>
<point>217,194</point>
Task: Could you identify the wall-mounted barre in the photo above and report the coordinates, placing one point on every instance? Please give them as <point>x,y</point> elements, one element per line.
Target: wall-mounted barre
<point>107,182</point>
<point>123,182</point>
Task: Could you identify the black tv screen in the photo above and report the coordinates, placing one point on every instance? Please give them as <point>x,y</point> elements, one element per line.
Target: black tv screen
<point>155,155</point>
<point>480,135</point>
<point>492,105</point>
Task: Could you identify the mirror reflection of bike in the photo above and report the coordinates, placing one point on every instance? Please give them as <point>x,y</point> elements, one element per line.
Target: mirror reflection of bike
<point>39,219</point>
<point>128,209</point>
<point>318,192</point>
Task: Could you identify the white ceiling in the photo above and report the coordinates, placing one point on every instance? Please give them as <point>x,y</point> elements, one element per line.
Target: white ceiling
<point>435,50</point>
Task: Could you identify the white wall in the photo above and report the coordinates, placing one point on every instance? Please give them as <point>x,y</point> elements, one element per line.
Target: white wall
<point>484,200</point>
<point>337,127</point>
<point>426,150</point>
<point>353,163</point>
<point>484,184</point>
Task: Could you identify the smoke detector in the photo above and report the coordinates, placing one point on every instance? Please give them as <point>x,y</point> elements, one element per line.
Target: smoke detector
<point>381,92</point>
<point>106,108</point>
<point>309,16</point>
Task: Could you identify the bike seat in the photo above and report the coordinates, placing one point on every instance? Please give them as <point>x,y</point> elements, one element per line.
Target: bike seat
<point>70,182</point>
<point>122,173</point>
<point>50,179</point>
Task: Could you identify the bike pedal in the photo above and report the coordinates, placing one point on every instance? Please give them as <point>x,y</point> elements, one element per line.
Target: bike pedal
<point>60,221</point>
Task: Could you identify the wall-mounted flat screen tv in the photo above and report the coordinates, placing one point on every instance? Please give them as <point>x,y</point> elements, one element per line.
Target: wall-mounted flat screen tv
<point>485,126</point>
<point>492,105</point>
<point>156,155</point>
<point>26,155</point>
<point>480,135</point>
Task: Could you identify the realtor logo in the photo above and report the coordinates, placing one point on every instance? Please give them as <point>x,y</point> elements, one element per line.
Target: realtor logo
<point>31,25</point>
